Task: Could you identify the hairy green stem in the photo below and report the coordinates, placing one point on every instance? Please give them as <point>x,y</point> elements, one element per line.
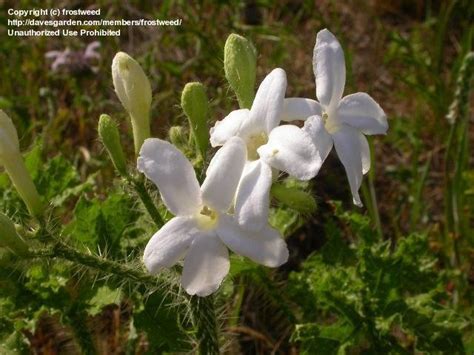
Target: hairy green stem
<point>234,321</point>
<point>204,319</point>
<point>66,252</point>
<point>202,309</point>
<point>147,201</point>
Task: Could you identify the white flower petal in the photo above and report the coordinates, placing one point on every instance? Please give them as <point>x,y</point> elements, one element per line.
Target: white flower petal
<point>291,149</point>
<point>361,111</point>
<point>266,247</point>
<point>329,69</point>
<point>322,140</point>
<point>267,106</point>
<point>168,168</point>
<point>223,175</point>
<point>169,244</point>
<point>297,108</point>
<point>365,154</point>
<point>253,196</point>
<point>205,265</point>
<point>228,127</point>
<point>348,147</point>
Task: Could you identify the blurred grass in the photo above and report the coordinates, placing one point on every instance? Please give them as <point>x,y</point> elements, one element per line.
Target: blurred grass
<point>406,54</point>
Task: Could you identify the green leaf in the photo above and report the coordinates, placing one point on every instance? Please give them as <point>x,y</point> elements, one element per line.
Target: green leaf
<point>319,339</point>
<point>162,325</point>
<point>103,297</point>
<point>74,191</point>
<point>57,175</point>
<point>102,223</point>
<point>285,220</point>
<point>85,226</point>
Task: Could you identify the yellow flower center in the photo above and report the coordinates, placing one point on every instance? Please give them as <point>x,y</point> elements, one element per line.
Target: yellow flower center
<point>253,143</point>
<point>207,218</point>
<point>330,123</point>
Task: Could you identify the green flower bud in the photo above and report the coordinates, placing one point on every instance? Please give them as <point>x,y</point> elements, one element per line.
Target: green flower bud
<point>196,107</point>
<point>134,92</point>
<point>240,65</point>
<point>177,135</point>
<point>9,238</point>
<point>12,161</point>
<point>110,137</point>
<point>294,198</point>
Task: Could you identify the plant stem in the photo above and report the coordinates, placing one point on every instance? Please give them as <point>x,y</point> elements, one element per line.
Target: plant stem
<point>370,196</point>
<point>64,251</point>
<point>234,320</point>
<point>145,197</point>
<point>141,130</point>
<point>203,311</point>
<point>456,157</point>
<point>204,319</point>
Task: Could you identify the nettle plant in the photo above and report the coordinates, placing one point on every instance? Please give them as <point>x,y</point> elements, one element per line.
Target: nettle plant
<point>203,212</point>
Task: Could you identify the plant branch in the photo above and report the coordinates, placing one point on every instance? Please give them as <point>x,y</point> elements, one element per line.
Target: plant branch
<point>66,252</point>
<point>202,308</point>
<point>204,319</point>
<point>147,201</point>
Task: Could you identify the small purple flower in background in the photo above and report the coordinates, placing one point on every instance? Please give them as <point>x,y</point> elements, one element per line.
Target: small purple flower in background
<point>75,61</point>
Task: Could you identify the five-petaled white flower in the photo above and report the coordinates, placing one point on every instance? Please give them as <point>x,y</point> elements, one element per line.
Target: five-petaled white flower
<point>201,228</point>
<point>337,120</point>
<point>286,148</point>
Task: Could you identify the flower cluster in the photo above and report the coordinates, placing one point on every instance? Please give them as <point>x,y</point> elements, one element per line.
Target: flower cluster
<point>230,209</point>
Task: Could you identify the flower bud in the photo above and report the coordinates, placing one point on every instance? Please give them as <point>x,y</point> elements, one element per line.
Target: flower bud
<point>294,198</point>
<point>196,107</point>
<point>110,137</point>
<point>177,135</point>
<point>134,92</point>
<point>9,238</point>
<point>8,137</point>
<point>12,161</point>
<point>240,65</point>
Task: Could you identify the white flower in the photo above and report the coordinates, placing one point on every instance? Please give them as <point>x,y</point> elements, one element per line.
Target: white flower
<point>201,229</point>
<point>286,148</point>
<point>338,120</point>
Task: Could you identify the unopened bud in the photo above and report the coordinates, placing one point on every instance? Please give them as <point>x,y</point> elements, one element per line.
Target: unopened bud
<point>240,65</point>
<point>9,238</point>
<point>177,135</point>
<point>294,198</point>
<point>12,161</point>
<point>134,91</point>
<point>109,134</point>
<point>9,144</point>
<point>196,107</point>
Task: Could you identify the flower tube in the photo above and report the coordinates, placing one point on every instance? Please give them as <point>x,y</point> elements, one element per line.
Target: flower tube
<point>12,161</point>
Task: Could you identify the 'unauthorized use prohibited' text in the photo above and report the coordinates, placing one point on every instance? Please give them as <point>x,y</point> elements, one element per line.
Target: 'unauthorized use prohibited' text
<point>57,22</point>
